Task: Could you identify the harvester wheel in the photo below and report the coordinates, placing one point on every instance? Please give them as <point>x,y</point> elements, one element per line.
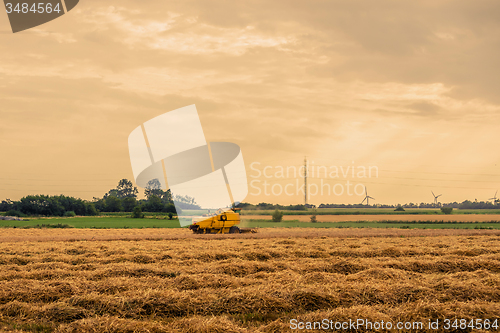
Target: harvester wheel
<point>234,230</point>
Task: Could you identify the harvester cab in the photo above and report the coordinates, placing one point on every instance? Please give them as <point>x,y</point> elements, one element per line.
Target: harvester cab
<point>223,222</point>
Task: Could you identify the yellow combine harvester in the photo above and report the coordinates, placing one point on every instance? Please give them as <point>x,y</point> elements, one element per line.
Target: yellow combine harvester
<point>220,223</point>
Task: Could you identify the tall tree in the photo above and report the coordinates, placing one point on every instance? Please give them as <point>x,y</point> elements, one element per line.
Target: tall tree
<point>126,189</point>
<point>153,188</point>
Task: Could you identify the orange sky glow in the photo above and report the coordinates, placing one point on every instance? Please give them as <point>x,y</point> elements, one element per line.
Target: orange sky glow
<point>406,90</point>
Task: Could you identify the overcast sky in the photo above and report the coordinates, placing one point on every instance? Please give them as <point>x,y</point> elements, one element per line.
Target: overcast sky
<point>411,87</point>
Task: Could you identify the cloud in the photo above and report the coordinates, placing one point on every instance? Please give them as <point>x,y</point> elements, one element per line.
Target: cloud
<point>425,108</point>
<point>349,79</point>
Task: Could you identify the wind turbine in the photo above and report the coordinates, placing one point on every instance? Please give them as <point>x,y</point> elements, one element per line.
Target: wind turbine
<point>435,198</point>
<point>367,198</point>
<point>494,198</point>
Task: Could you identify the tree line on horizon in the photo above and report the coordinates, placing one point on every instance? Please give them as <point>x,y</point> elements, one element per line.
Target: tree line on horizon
<point>466,204</point>
<point>123,198</point>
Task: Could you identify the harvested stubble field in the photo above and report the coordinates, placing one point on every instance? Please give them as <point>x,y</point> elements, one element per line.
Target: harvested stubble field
<point>244,283</point>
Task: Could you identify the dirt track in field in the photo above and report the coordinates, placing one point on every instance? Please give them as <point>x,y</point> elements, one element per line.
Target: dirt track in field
<point>76,235</point>
<point>353,218</point>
